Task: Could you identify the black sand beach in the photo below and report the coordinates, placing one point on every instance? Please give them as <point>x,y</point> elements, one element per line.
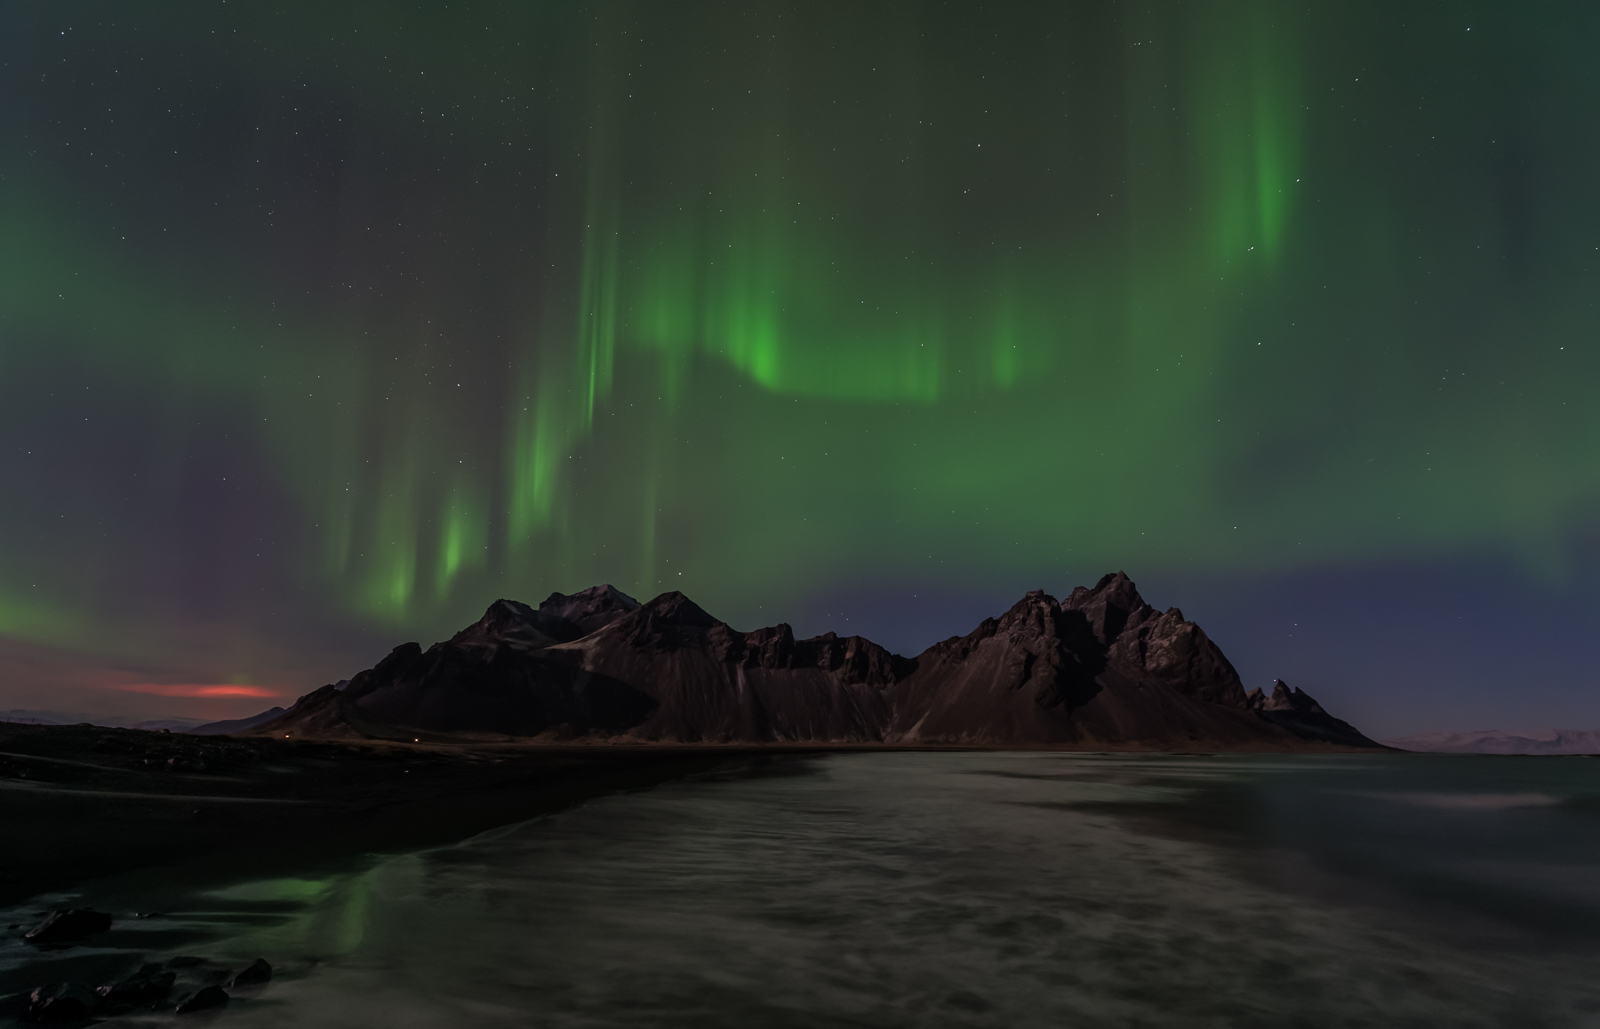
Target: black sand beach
<point>80,802</point>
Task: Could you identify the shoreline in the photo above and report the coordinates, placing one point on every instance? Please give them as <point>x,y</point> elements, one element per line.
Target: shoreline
<point>84,802</point>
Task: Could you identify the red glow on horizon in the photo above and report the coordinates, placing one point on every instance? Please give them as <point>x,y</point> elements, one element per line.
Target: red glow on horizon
<point>197,690</point>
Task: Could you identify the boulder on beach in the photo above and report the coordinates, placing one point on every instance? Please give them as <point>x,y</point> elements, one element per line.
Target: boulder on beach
<point>255,974</point>
<point>61,1002</point>
<point>204,999</point>
<point>145,988</point>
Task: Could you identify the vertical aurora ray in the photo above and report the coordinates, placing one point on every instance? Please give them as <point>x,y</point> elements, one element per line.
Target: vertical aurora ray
<point>463,539</point>
<point>597,316</point>
<point>390,561</point>
<point>1245,126</point>
<point>535,453</point>
<point>1276,100</point>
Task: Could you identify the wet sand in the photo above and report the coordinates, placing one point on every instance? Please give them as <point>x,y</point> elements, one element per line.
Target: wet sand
<point>84,802</point>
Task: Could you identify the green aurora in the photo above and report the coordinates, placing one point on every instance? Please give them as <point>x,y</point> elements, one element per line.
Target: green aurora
<point>362,315</point>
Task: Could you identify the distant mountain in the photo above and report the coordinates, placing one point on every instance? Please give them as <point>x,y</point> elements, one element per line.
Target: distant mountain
<point>1099,669</point>
<point>194,726</point>
<point>78,718</point>
<point>29,717</point>
<point>169,724</point>
<point>1498,741</point>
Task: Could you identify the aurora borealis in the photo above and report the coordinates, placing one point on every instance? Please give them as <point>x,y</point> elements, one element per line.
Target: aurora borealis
<point>322,326</point>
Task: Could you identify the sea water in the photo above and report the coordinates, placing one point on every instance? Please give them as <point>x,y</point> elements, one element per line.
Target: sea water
<point>965,889</point>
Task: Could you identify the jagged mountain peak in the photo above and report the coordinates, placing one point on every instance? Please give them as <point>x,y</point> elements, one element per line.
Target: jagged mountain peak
<point>1112,605</point>
<point>670,621</point>
<point>677,605</point>
<point>602,599</point>
<point>1297,711</point>
<point>671,611</point>
<point>561,618</point>
<point>588,610</point>
<point>1284,698</point>
<point>507,618</point>
<point>1117,586</point>
<point>1034,613</point>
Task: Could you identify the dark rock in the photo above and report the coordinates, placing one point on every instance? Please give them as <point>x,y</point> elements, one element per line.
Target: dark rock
<point>203,999</point>
<point>185,961</point>
<point>65,927</point>
<point>146,988</point>
<point>60,1002</point>
<point>254,974</point>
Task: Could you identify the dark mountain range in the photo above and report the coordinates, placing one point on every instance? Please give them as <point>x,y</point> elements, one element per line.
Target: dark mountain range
<point>1099,669</point>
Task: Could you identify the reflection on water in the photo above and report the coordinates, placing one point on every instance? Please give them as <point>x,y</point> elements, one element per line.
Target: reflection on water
<point>971,889</point>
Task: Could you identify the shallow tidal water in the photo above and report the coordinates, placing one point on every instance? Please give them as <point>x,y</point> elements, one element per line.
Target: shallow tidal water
<point>946,889</point>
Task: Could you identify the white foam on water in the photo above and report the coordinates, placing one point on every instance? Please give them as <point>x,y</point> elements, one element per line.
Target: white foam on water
<point>880,890</point>
<point>1467,801</point>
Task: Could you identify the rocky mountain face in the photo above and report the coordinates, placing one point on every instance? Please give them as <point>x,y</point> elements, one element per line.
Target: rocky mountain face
<point>1100,668</point>
<point>708,681</point>
<point>560,619</point>
<point>1297,712</point>
<point>496,676</point>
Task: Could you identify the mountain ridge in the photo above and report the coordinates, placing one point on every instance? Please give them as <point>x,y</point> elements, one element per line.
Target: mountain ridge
<point>1100,668</point>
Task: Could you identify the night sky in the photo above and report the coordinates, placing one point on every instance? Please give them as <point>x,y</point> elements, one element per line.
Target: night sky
<point>324,325</point>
